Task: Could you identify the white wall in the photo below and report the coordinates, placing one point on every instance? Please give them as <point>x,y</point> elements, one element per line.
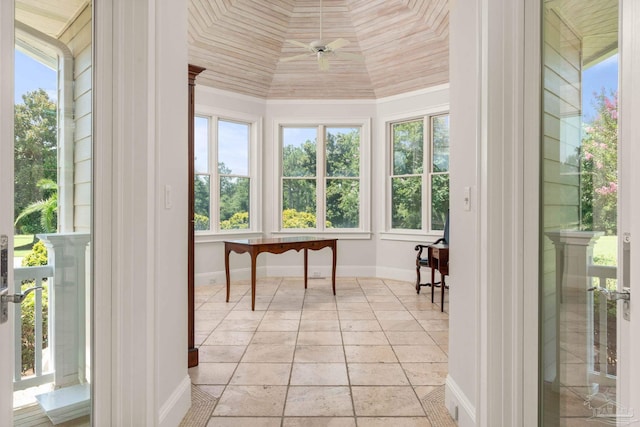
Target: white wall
<point>141,240</point>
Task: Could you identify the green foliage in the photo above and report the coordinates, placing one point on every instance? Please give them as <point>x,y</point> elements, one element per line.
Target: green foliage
<point>35,155</point>
<point>406,205</point>
<point>239,220</point>
<point>46,209</point>
<point>234,197</point>
<point>37,256</point>
<point>292,218</point>
<point>200,222</point>
<point>343,171</point>
<point>599,167</point>
<point>201,195</point>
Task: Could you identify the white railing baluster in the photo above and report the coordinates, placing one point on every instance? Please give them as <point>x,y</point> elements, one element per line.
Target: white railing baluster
<point>35,274</point>
<point>601,273</point>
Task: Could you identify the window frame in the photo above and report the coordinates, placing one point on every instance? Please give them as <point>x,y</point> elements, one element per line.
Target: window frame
<point>255,187</point>
<point>425,232</point>
<point>364,229</point>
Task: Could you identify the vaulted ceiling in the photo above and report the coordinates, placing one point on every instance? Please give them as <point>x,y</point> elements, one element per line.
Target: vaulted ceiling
<point>404,45</point>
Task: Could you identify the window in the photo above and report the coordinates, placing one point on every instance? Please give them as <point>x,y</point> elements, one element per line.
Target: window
<point>419,179</point>
<point>224,193</point>
<point>321,177</point>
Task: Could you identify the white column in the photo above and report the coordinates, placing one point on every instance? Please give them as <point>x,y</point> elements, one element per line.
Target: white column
<point>67,305</point>
<point>574,305</point>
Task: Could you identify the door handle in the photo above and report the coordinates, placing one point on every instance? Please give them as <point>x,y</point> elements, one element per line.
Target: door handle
<point>613,295</point>
<point>5,299</point>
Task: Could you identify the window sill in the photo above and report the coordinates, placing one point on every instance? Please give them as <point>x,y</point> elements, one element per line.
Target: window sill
<point>409,236</point>
<point>345,235</point>
<point>209,237</point>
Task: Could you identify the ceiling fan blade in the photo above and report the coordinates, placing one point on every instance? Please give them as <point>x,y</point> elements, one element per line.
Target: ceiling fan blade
<point>350,56</point>
<point>338,43</point>
<point>293,58</point>
<point>299,44</point>
<point>323,62</point>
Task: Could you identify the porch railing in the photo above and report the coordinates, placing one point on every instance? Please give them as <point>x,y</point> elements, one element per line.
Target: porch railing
<point>39,276</point>
<point>602,321</point>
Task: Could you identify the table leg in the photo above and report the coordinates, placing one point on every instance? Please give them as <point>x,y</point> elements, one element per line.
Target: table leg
<point>433,280</point>
<point>442,288</point>
<point>306,265</point>
<point>334,249</point>
<point>226,269</point>
<point>253,281</point>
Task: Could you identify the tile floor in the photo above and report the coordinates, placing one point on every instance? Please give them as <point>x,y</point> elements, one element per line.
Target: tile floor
<point>365,357</point>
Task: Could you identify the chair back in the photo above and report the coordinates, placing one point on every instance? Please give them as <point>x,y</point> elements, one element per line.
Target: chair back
<point>446,229</point>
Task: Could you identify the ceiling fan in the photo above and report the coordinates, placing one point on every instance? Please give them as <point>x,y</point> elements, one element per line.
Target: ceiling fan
<point>322,50</point>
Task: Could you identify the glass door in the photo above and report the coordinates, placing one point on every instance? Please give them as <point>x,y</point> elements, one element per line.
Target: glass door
<point>51,311</point>
<point>581,240</point>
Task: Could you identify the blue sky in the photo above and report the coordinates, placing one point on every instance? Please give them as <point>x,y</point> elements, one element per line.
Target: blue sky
<point>31,75</point>
<point>594,79</point>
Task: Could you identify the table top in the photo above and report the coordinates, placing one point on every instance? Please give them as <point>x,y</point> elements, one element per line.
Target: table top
<point>278,240</point>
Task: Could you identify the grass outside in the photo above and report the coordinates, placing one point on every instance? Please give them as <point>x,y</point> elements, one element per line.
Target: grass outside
<point>605,251</point>
<point>24,242</point>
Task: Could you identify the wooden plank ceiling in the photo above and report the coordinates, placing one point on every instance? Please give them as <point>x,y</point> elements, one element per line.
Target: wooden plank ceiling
<point>404,45</point>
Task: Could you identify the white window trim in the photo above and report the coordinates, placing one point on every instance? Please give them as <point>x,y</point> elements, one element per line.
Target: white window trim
<point>255,161</point>
<point>385,134</point>
<point>364,231</point>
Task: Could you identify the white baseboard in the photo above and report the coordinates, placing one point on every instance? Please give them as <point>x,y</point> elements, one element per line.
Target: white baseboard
<point>176,407</point>
<point>455,398</point>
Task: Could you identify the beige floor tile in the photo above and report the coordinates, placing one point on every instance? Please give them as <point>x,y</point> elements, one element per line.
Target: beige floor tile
<point>386,306</point>
<point>261,373</point>
<point>229,338</point>
<point>319,306</point>
<point>364,338</point>
<point>440,337</point>
<point>353,306</point>
<point>245,314</point>
<point>386,401</point>
<point>212,373</point>
<point>319,315</point>
<point>213,390</point>
<point>426,373</point>
<point>318,401</point>
<point>430,315</point>
<point>206,325</point>
<point>243,325</point>
<point>250,401</point>
<point>319,338</point>
<point>319,354</point>
<point>279,325</point>
<point>357,315</point>
<point>419,353</point>
<point>394,421</point>
<point>319,422</point>
<point>271,353</point>
<point>201,315</point>
<point>409,338</point>
<point>319,374</point>
<point>359,325</point>
<point>435,325</point>
<point>370,354</point>
<point>394,315</point>
<point>319,325</point>
<point>275,338</point>
<point>400,325</point>
<point>243,422</point>
<point>221,353</point>
<point>377,374</point>
<point>282,315</point>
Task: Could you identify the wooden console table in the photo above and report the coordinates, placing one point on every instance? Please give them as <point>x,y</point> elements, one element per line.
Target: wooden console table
<point>439,260</point>
<point>277,246</point>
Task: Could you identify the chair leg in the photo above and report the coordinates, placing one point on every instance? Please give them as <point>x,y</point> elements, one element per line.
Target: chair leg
<point>433,283</point>
<point>418,278</point>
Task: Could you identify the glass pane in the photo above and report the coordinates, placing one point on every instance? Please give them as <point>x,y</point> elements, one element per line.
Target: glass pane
<point>201,144</point>
<point>233,148</point>
<point>343,152</point>
<point>578,241</point>
<point>439,200</point>
<point>202,202</point>
<point>343,198</point>
<point>53,193</point>
<point>408,146</point>
<point>406,203</point>
<point>299,203</point>
<point>299,151</point>
<point>234,203</point>
<point>440,127</point>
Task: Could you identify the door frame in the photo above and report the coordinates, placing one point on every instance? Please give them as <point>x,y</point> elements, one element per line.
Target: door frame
<point>7,46</point>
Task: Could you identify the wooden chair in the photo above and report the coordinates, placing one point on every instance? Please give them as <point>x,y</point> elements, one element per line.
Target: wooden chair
<point>423,260</point>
